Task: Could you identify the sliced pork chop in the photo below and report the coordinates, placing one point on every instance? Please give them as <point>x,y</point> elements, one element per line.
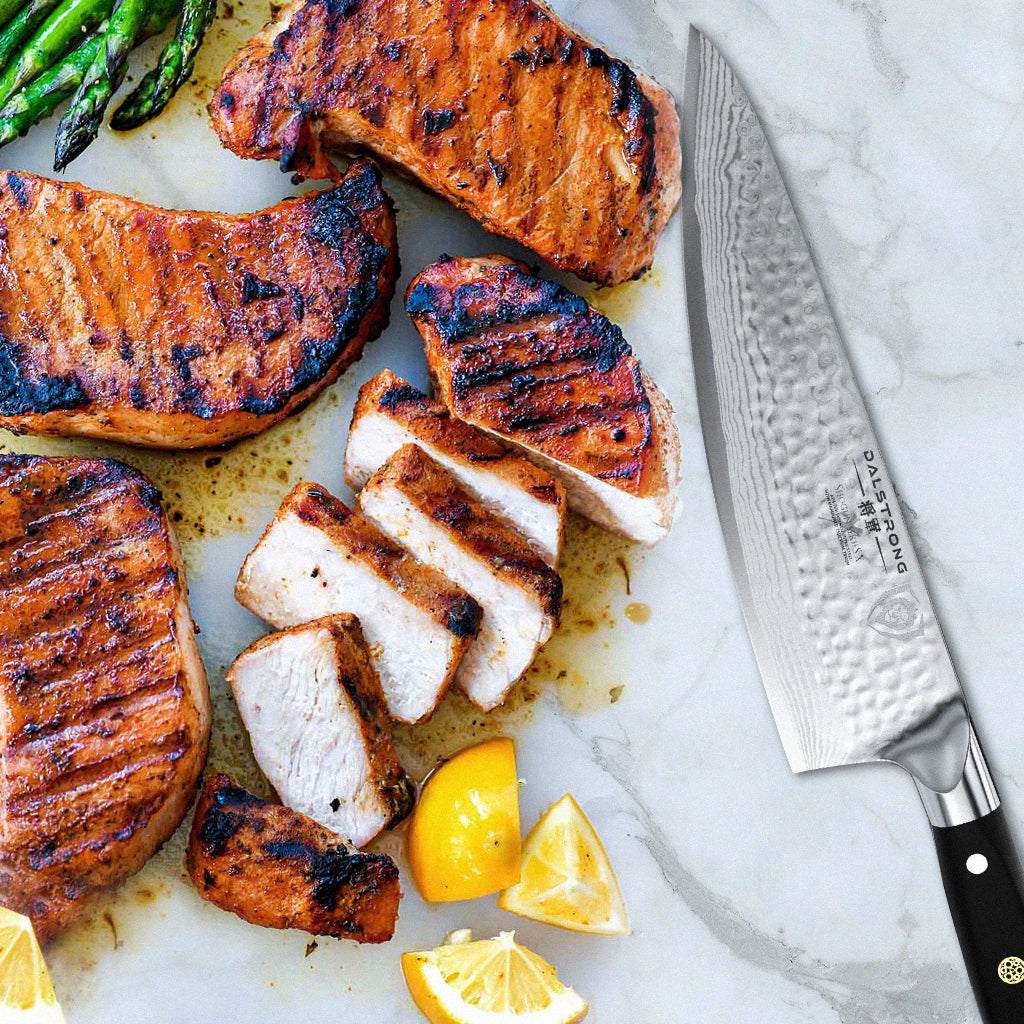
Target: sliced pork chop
<point>318,558</point>
<point>177,329</point>
<point>390,413</point>
<point>498,106</point>
<point>534,364</point>
<point>422,505</point>
<point>275,867</point>
<point>104,710</point>
<point>319,727</point>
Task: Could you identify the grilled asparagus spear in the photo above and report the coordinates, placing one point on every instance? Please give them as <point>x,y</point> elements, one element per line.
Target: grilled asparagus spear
<point>82,120</point>
<point>24,23</point>
<point>62,32</point>
<point>40,97</point>
<point>155,90</point>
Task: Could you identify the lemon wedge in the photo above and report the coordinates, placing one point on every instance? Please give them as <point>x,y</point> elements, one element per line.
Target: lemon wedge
<point>26,993</point>
<point>566,878</point>
<point>494,981</point>
<point>463,840</point>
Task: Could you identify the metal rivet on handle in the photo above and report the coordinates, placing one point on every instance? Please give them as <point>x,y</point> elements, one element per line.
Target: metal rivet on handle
<point>977,863</point>
<point>1011,970</point>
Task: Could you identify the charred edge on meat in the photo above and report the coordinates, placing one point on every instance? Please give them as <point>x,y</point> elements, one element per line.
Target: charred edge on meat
<point>253,289</point>
<point>399,394</point>
<point>22,392</point>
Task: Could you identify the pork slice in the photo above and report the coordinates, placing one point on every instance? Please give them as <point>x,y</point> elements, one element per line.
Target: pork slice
<point>419,503</point>
<point>535,365</point>
<point>275,867</point>
<point>390,413</point>
<point>319,558</point>
<point>315,713</point>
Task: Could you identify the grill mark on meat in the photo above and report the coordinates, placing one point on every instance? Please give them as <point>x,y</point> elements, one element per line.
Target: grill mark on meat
<point>100,743</point>
<point>588,149</point>
<point>168,303</point>
<point>275,867</point>
<point>531,361</point>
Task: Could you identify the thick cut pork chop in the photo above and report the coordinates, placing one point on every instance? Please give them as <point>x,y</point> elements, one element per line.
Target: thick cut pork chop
<point>319,727</point>
<point>534,364</point>
<point>275,867</point>
<point>390,413</point>
<point>176,329</point>
<point>104,711</point>
<point>422,506</point>
<point>495,104</point>
<point>318,558</point>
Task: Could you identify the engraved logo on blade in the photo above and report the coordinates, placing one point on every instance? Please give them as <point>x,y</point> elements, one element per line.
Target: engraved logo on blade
<point>897,614</point>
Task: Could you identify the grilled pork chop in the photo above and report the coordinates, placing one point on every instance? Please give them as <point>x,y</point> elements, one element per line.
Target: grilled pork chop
<point>104,711</point>
<point>534,364</point>
<point>318,558</point>
<point>175,329</point>
<point>319,728</point>
<point>275,867</point>
<point>390,412</point>
<point>494,104</point>
<point>422,505</point>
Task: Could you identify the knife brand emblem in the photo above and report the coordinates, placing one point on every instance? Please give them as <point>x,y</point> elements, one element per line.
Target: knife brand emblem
<point>897,614</point>
<point>1011,970</point>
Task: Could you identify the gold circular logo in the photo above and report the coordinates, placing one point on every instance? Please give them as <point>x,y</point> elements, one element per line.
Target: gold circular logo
<point>1011,970</point>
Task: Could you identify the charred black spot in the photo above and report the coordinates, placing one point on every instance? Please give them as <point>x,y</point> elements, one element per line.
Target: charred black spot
<point>398,394</point>
<point>42,856</point>
<point>422,299</point>
<point>217,830</point>
<point>42,393</point>
<point>393,50</point>
<point>226,100</point>
<point>253,288</point>
<point>137,396</point>
<point>298,304</point>
<point>498,170</point>
<point>228,794</point>
<point>270,333</point>
<point>335,805</point>
<point>343,8</point>
<point>78,201</point>
<point>435,121</point>
<point>520,56</point>
<point>17,187</point>
<point>331,871</point>
<point>463,618</point>
<point>361,189</point>
<point>182,356</point>
<point>127,352</point>
<point>332,222</point>
<point>208,878</point>
<point>564,49</point>
<point>618,434</point>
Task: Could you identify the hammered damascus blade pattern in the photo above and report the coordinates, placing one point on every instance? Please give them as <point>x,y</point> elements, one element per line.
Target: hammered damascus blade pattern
<point>847,641</point>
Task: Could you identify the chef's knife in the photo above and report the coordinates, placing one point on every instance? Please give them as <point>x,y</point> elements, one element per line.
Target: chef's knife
<point>845,636</point>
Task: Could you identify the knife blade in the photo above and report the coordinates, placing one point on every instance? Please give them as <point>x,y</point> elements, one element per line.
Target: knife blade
<point>844,633</point>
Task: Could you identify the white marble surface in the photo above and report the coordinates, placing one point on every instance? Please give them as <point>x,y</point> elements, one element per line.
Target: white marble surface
<point>755,895</point>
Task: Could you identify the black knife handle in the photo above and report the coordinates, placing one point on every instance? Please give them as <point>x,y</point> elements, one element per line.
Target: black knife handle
<point>985,888</point>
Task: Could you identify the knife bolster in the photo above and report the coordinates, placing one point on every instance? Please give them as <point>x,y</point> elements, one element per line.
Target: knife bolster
<point>973,797</point>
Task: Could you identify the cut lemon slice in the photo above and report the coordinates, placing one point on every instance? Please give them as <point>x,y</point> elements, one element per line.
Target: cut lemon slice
<point>26,994</point>
<point>495,981</point>
<point>566,879</point>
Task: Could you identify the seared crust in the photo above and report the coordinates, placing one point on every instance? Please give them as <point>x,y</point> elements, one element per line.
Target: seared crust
<point>277,868</point>
<point>177,329</point>
<point>495,104</point>
<point>533,362</point>
<point>358,678</point>
<point>448,604</point>
<point>104,711</point>
<point>432,490</point>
